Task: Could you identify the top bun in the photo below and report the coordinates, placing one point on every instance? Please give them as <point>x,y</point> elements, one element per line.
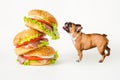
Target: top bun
<point>43,51</point>
<point>25,34</point>
<point>44,15</point>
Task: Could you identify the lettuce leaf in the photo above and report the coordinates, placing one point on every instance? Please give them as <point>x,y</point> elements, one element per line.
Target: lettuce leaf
<point>53,61</point>
<point>53,34</point>
<point>56,55</point>
<point>55,58</point>
<point>28,38</point>
<point>27,63</point>
<point>43,43</point>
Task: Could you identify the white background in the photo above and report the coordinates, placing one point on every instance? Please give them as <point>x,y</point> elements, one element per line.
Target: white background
<point>96,16</point>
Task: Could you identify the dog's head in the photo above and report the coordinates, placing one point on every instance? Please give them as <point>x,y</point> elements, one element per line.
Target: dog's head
<point>70,27</point>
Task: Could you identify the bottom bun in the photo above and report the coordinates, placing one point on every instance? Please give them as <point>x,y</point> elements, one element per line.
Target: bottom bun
<point>41,63</point>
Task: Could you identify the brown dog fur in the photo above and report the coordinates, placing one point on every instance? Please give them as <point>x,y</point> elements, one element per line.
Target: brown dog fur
<point>84,41</point>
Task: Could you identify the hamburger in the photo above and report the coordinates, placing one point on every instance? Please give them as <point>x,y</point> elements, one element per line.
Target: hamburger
<point>28,40</point>
<point>39,57</point>
<point>42,21</point>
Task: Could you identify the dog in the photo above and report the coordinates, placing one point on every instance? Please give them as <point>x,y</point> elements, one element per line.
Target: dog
<point>84,41</point>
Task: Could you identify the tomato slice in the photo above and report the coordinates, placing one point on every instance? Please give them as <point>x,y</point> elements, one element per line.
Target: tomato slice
<point>31,41</point>
<point>42,21</point>
<point>33,58</point>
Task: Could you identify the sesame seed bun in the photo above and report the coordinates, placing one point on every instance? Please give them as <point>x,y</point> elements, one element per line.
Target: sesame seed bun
<point>24,34</point>
<point>44,15</point>
<point>40,63</point>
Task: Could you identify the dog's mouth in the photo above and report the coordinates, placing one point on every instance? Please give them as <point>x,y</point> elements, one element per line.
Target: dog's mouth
<point>66,29</point>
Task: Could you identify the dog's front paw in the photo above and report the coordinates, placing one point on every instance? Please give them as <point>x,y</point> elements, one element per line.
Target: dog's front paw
<point>78,60</point>
<point>100,61</point>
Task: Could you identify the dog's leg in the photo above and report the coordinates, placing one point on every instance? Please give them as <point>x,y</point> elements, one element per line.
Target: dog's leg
<point>102,52</point>
<point>108,49</point>
<point>103,57</point>
<point>80,56</point>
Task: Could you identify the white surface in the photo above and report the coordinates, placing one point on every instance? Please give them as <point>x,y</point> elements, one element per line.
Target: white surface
<point>96,16</point>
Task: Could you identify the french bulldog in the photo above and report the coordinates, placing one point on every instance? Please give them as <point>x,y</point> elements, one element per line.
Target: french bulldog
<point>84,41</point>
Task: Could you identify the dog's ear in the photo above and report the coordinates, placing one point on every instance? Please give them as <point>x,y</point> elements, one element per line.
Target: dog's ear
<point>78,28</point>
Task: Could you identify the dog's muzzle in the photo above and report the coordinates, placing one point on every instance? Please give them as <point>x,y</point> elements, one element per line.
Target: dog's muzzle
<point>66,29</point>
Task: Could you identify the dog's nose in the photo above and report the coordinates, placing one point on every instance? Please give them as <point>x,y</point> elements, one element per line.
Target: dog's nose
<point>63,27</point>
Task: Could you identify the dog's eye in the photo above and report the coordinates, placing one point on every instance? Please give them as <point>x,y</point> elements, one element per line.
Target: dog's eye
<point>69,25</point>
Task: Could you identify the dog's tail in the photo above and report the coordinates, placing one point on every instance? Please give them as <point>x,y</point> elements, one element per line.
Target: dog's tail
<point>104,35</point>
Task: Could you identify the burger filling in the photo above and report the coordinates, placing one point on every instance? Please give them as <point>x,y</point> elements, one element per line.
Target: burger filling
<point>50,30</point>
<point>32,42</point>
<point>26,60</point>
